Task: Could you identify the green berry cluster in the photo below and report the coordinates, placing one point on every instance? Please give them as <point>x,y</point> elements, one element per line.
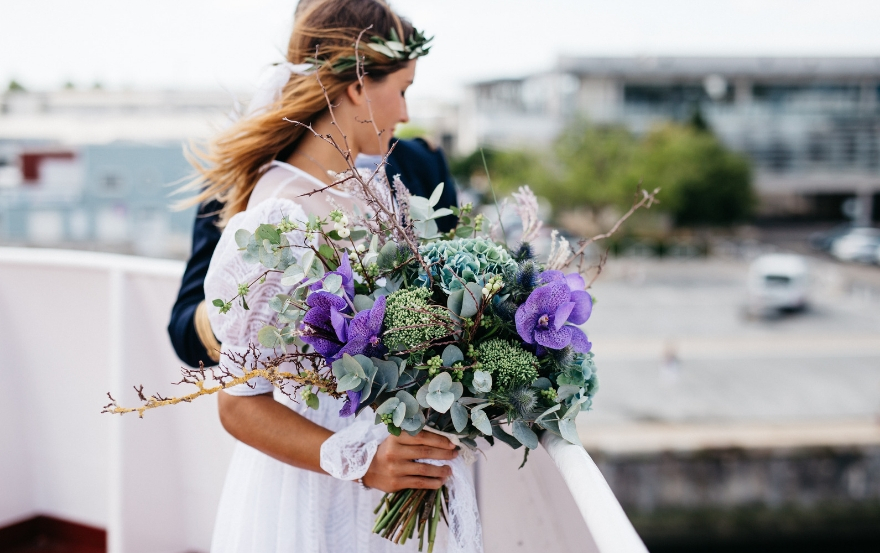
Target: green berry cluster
<point>416,322</point>
<point>508,363</point>
<point>286,225</point>
<point>549,395</point>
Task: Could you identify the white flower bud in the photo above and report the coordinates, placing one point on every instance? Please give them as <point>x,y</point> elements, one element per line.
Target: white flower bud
<point>344,220</point>
<point>338,226</point>
<point>360,248</point>
<point>486,291</point>
<point>343,232</point>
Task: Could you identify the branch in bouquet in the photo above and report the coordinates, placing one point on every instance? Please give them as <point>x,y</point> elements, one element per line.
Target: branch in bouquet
<point>646,200</point>
<point>267,369</point>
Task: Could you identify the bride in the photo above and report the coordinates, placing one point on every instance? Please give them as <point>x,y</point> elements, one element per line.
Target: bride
<point>278,495</point>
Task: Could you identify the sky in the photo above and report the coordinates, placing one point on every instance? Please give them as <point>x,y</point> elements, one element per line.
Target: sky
<point>225,44</point>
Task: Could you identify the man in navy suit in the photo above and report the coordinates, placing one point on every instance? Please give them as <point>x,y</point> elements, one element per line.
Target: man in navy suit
<point>421,168</point>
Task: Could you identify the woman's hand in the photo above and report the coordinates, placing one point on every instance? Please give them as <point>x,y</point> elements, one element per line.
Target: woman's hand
<point>394,467</point>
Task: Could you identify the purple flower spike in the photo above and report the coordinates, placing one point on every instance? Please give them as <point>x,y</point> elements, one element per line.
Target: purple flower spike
<point>364,331</point>
<point>545,316</point>
<point>352,400</point>
<point>344,270</point>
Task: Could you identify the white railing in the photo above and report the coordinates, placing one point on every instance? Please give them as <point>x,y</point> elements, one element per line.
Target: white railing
<point>75,325</point>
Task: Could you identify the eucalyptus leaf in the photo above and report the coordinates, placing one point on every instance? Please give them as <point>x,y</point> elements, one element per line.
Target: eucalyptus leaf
<point>414,423</point>
<point>242,237</point>
<point>440,401</point>
<point>435,195</point>
<point>464,232</point>
<point>499,433</point>
<point>268,232</point>
<point>269,337</point>
<point>451,355</point>
<point>568,430</point>
<point>388,406</point>
<point>312,401</point>
<point>442,212</point>
<point>548,412</point>
<point>412,405</point>
<point>457,389</point>
<point>422,396</point>
<point>362,303</point>
<point>525,435</point>
<point>459,416</point>
<point>440,383</point>
<point>293,275</point>
<point>473,295</point>
<point>565,392</point>
<point>454,301</point>
<point>332,283</point>
<point>399,414</point>
<point>481,421</point>
<point>348,382</point>
<point>542,383</point>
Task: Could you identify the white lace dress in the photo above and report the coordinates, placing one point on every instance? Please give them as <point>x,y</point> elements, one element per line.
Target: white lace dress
<point>269,506</point>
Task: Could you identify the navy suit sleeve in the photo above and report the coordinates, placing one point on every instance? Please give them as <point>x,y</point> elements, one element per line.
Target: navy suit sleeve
<point>181,328</point>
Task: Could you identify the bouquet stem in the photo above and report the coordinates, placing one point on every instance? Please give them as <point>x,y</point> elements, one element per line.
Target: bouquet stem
<point>399,514</point>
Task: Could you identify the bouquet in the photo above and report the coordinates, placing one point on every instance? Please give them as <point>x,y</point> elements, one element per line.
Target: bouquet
<point>455,333</point>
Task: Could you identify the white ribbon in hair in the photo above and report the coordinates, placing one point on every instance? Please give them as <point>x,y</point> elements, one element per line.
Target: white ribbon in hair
<point>272,82</point>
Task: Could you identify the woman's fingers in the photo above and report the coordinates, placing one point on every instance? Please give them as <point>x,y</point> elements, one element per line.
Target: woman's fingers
<point>427,469</point>
<point>413,452</point>
<point>419,483</point>
<point>426,438</point>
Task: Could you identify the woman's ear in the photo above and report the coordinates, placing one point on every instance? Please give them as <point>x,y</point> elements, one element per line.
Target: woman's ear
<point>355,93</point>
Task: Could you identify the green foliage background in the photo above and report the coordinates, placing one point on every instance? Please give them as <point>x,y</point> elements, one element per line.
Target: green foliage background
<point>702,182</point>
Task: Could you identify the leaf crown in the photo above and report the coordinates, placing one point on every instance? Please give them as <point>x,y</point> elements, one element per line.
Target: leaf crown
<point>393,48</point>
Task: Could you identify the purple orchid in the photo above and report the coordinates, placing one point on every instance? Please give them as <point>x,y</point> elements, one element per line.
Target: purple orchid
<point>548,315</point>
<point>352,400</point>
<point>364,330</point>
<point>325,327</point>
<point>344,271</point>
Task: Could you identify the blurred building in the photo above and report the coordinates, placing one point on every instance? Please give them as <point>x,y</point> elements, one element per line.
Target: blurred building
<point>96,169</point>
<point>810,125</point>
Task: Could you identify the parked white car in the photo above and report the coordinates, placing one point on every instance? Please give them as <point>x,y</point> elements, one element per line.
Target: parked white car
<point>859,244</point>
<point>778,282</point>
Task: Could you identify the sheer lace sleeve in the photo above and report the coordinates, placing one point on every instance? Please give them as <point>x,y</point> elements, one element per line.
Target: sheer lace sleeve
<point>238,328</point>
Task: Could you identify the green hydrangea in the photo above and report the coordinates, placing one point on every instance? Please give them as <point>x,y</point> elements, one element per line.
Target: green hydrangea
<point>410,308</point>
<point>508,363</point>
<point>464,260</point>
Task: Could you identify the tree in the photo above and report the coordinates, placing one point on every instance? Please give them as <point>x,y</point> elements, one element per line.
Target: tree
<point>15,86</point>
<point>703,182</point>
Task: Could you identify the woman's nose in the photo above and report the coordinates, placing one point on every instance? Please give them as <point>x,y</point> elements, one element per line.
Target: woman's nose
<point>404,114</point>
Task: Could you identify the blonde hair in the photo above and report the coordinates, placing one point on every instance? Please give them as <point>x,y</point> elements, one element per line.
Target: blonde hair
<point>230,166</point>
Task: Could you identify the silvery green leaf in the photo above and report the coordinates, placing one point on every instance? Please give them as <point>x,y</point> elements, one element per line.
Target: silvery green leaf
<point>482,382</point>
<point>471,300</point>
<point>454,301</point>
<point>440,401</point>
<point>291,316</point>
<point>574,409</point>
<point>369,258</point>
<point>457,388</point>
<point>369,399</point>
<point>307,283</point>
<point>316,271</point>
<point>414,423</point>
<point>288,334</point>
<point>312,402</point>
<point>412,405</point>
<point>399,414</point>
<point>293,275</point>
<point>374,243</point>
<point>568,430</point>
<point>386,373</point>
<point>542,383</point>
<point>440,383</point>
<point>388,406</point>
<point>422,396</point>
<point>269,260</point>
<point>306,261</point>
<point>362,302</point>
<point>352,366</point>
<point>459,416</point>
<point>387,255</point>
<point>268,232</point>
<point>250,258</point>
<point>393,284</point>
<point>435,195</point>
<point>332,283</point>
<point>279,303</point>
<point>442,212</point>
<point>268,246</point>
<point>242,237</point>
<point>548,412</point>
<point>338,369</point>
<point>348,382</point>
<point>525,435</point>
<point>552,425</point>
<point>565,392</point>
<point>500,434</point>
<point>269,337</point>
<point>481,421</point>
<point>451,355</point>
